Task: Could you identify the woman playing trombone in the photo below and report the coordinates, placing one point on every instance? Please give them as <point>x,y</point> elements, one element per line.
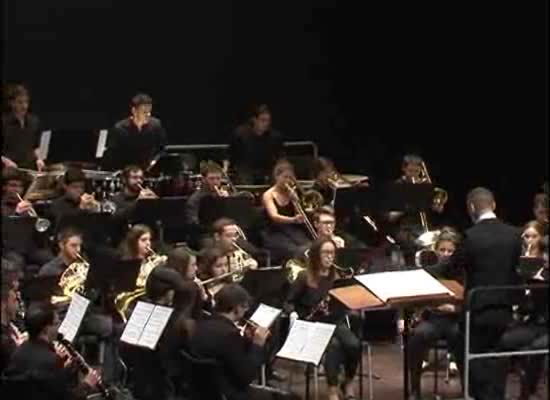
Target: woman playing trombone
<point>285,236</point>
<point>308,297</point>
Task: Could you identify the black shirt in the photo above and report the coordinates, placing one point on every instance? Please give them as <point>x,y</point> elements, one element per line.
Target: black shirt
<point>55,267</point>
<point>252,155</point>
<point>64,207</point>
<point>126,144</point>
<point>19,143</point>
<point>8,346</point>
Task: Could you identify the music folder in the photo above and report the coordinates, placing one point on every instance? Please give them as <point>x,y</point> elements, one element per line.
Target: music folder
<point>73,319</point>
<point>307,341</point>
<point>146,325</point>
<point>405,286</point>
<point>265,315</point>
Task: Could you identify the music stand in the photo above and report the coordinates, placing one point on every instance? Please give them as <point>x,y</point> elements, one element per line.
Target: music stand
<point>18,234</point>
<point>98,228</point>
<point>408,197</point>
<point>349,199</point>
<point>354,258</point>
<point>240,209</point>
<point>266,285</point>
<point>108,272</point>
<point>529,266</point>
<point>41,288</point>
<point>163,213</point>
<point>168,164</point>
<point>62,146</point>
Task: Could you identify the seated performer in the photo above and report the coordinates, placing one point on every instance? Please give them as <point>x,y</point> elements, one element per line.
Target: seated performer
<point>285,236</point>
<point>133,190</point>
<point>309,298</point>
<point>324,222</point>
<point>13,189</point>
<point>20,132</point>
<point>540,211</point>
<point>135,140</point>
<point>435,323</point>
<point>254,148</point>
<point>11,335</point>
<point>39,357</point>
<point>324,170</point>
<point>69,242</point>
<point>214,267</point>
<point>218,338</point>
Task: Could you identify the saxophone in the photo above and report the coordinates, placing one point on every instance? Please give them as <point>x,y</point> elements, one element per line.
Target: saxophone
<point>124,300</point>
<point>72,280</point>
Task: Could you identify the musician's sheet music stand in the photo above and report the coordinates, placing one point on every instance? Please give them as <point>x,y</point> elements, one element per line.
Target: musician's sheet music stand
<point>17,234</point>
<point>408,197</point>
<point>62,148</point>
<point>97,228</point>
<point>162,212</point>
<point>240,209</point>
<point>355,258</point>
<point>108,272</point>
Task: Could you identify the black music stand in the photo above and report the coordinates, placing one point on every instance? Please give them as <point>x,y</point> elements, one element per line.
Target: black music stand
<point>108,273</point>
<point>359,198</point>
<point>168,164</point>
<point>240,209</point>
<point>354,258</point>
<point>97,228</point>
<point>68,145</point>
<point>41,288</point>
<point>265,285</point>
<point>529,266</point>
<point>408,197</point>
<point>162,213</point>
<point>18,234</point>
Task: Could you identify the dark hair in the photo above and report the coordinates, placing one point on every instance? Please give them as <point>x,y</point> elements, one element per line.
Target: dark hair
<point>323,210</point>
<point>128,246</point>
<point>178,260</point>
<point>221,223</point>
<point>540,200</point>
<point>37,317</point>
<point>314,258</point>
<point>210,167</point>
<point>208,257</point>
<point>322,164</point>
<point>411,159</point>
<point>229,297</point>
<point>140,99</point>
<point>128,170</point>
<point>74,175</point>
<point>540,230</point>
<point>161,281</point>
<point>282,166</point>
<point>67,233</point>
<point>481,198</point>
<point>14,91</point>
<point>258,109</point>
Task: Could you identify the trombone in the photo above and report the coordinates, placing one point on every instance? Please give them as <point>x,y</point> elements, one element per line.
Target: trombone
<point>296,202</point>
<point>42,224</point>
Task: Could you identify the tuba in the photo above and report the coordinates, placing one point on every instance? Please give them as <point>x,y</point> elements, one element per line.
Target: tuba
<point>124,300</point>
<point>72,280</point>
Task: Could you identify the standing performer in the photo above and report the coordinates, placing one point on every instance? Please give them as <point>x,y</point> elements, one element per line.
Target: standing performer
<point>254,148</point>
<point>20,132</point>
<point>137,139</point>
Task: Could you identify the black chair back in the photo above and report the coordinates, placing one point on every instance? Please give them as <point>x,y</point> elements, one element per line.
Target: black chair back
<point>203,377</point>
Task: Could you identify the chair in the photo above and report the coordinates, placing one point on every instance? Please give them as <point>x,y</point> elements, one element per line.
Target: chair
<point>204,377</point>
<point>26,387</point>
<point>440,345</point>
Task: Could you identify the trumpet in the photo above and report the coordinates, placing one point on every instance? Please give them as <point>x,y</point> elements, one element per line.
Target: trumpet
<point>42,224</point>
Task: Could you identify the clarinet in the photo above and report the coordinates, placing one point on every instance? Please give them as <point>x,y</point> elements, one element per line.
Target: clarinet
<point>81,363</point>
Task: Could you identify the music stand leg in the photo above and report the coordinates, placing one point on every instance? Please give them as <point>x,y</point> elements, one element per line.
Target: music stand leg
<point>407,314</point>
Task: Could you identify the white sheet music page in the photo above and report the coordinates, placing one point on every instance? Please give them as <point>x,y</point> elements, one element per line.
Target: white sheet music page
<point>393,284</point>
<point>135,325</point>
<point>265,315</point>
<point>155,327</point>
<point>296,340</point>
<point>101,143</point>
<point>44,147</point>
<point>317,342</point>
<point>73,319</point>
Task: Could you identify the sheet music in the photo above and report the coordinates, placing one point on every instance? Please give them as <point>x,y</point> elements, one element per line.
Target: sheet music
<point>307,341</point>
<point>388,285</point>
<point>73,319</point>
<point>155,326</point>
<point>44,147</point>
<point>101,143</point>
<point>135,325</point>
<point>265,315</point>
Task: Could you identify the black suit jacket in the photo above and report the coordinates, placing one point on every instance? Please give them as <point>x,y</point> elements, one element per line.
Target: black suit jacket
<point>489,256</point>
<point>219,339</point>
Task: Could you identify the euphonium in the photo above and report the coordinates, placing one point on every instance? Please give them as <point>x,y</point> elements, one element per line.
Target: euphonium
<point>124,300</point>
<point>72,280</point>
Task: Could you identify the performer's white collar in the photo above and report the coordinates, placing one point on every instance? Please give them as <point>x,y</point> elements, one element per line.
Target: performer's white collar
<point>486,215</point>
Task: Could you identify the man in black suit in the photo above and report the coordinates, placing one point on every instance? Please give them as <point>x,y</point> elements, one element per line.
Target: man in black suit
<point>38,360</point>
<point>219,339</point>
<point>488,256</point>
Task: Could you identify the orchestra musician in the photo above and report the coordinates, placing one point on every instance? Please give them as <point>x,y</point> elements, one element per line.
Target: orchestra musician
<point>254,148</point>
<point>488,256</point>
<point>210,186</point>
<point>435,323</point>
<point>20,132</point>
<point>38,354</point>
<point>218,338</point>
<point>324,222</point>
<point>324,169</point>
<point>11,336</point>
<point>135,140</point>
<point>133,190</point>
<point>214,263</point>
<point>285,236</point>
<point>540,211</point>
<point>69,243</point>
<point>308,298</point>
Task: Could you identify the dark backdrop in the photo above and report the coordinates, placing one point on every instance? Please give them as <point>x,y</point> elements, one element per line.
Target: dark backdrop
<point>464,85</point>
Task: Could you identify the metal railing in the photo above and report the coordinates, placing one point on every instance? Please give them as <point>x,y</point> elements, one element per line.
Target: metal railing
<point>468,356</point>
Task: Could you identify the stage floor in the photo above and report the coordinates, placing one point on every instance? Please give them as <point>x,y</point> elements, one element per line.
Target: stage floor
<point>387,364</point>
